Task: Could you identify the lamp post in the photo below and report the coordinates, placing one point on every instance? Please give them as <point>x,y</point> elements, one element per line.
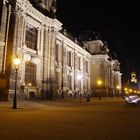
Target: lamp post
<point>99,82</point>
<point>118,90</point>
<point>16,65</point>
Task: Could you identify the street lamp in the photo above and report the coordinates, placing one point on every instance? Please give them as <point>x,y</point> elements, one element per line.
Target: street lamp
<point>99,82</point>
<point>118,88</point>
<point>16,66</point>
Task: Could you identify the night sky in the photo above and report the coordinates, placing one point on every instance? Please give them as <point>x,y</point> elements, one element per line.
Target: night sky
<point>115,22</point>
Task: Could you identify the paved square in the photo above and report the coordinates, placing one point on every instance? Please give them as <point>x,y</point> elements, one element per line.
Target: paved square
<point>107,119</point>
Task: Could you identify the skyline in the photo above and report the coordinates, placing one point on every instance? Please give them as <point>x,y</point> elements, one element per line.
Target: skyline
<point>116,23</point>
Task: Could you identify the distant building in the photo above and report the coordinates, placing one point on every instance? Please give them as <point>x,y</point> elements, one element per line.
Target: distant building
<point>53,63</point>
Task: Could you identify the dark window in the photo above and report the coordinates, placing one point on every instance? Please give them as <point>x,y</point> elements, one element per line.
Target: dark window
<point>69,62</point>
<point>86,66</point>
<point>79,84</point>
<point>79,63</point>
<point>57,53</point>
<point>69,82</point>
<point>31,37</point>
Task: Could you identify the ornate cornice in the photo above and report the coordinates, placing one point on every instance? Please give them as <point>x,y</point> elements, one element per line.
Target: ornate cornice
<point>29,10</point>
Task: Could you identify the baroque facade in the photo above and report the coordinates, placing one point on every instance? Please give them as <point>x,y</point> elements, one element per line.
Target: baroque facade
<point>53,64</point>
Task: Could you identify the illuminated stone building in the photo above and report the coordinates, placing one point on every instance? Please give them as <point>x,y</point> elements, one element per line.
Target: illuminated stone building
<point>53,63</point>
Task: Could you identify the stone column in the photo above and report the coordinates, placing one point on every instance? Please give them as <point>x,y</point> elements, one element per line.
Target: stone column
<point>63,71</point>
<point>49,78</point>
<point>52,74</point>
<point>38,39</point>
<point>64,65</point>
<point>4,29</point>
<point>45,65</point>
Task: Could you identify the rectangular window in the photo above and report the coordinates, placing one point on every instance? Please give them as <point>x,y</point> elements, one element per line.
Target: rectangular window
<point>30,73</point>
<point>69,82</point>
<point>69,57</point>
<point>87,84</point>
<point>86,66</point>
<point>79,63</point>
<point>31,37</point>
<point>57,53</point>
<point>79,84</point>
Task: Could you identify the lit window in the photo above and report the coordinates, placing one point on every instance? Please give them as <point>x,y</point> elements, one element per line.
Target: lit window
<point>30,73</point>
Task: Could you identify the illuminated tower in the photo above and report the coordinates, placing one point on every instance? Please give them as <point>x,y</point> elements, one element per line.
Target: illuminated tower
<point>133,77</point>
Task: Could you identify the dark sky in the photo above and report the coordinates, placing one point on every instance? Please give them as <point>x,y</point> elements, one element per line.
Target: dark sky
<point>116,22</point>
